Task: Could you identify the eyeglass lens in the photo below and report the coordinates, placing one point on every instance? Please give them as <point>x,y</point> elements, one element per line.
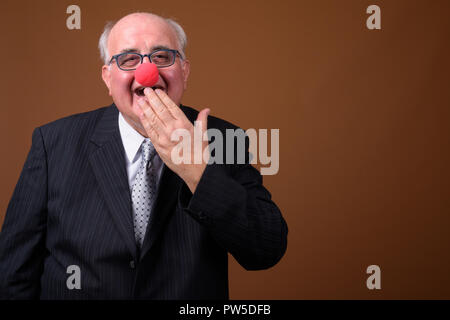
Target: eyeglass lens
<point>160,58</point>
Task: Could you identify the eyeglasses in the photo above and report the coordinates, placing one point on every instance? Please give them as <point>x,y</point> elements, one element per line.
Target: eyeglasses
<point>131,60</point>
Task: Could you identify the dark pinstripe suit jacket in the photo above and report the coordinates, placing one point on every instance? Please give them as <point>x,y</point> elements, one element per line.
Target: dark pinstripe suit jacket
<point>72,206</point>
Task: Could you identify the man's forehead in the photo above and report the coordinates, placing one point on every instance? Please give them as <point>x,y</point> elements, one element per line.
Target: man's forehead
<point>141,31</point>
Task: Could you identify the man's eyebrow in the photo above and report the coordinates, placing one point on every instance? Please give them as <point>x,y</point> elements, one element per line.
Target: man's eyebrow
<point>126,50</point>
<point>155,48</point>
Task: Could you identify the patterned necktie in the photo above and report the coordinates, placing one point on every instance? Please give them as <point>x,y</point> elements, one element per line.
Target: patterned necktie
<point>143,193</point>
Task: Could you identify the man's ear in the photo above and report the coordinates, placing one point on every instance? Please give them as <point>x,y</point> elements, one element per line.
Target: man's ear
<point>186,66</point>
<point>106,75</point>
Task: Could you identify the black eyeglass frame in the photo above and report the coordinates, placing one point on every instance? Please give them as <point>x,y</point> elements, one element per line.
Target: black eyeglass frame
<point>142,56</point>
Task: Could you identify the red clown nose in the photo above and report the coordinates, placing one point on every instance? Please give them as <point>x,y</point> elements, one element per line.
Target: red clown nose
<point>147,74</point>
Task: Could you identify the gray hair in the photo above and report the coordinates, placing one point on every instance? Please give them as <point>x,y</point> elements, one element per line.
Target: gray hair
<point>179,32</point>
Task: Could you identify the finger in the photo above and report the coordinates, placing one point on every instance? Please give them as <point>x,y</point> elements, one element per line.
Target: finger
<point>174,110</point>
<point>202,118</point>
<point>158,106</point>
<point>151,132</point>
<point>152,124</point>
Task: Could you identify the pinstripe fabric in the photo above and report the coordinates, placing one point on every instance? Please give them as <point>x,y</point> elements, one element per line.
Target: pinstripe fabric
<point>72,206</point>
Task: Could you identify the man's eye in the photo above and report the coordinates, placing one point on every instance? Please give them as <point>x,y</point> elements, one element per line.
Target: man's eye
<point>160,57</point>
<point>130,60</point>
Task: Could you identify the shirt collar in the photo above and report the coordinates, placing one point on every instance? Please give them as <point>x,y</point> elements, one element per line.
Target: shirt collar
<point>131,139</point>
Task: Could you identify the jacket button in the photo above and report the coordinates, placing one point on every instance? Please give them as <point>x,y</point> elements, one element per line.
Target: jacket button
<point>132,264</point>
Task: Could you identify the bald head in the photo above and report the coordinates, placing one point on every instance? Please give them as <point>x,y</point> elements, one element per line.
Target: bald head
<point>136,18</point>
<point>143,20</point>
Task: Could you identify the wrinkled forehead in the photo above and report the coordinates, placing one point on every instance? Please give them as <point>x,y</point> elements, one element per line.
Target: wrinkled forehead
<point>142,34</point>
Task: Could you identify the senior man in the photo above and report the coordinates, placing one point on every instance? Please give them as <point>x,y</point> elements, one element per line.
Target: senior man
<point>101,211</point>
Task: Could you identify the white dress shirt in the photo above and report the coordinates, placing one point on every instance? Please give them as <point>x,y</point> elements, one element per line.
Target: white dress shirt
<point>132,141</point>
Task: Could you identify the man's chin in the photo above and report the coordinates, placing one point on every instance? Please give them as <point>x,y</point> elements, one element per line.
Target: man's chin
<point>130,110</point>
<point>133,120</point>
<point>136,109</point>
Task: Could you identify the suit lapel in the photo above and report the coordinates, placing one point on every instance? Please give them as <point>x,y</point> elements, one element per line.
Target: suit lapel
<point>109,166</point>
<point>163,208</point>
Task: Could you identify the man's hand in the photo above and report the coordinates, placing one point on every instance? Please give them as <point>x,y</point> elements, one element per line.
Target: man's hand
<point>160,117</point>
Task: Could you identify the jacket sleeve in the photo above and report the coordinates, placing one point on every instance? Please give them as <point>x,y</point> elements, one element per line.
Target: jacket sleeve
<point>22,239</point>
<point>231,201</point>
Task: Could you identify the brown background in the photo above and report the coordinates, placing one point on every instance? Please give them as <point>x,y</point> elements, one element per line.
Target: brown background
<point>363,116</point>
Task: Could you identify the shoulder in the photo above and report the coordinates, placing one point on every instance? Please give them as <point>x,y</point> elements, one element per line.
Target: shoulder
<point>79,120</point>
<point>73,129</point>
